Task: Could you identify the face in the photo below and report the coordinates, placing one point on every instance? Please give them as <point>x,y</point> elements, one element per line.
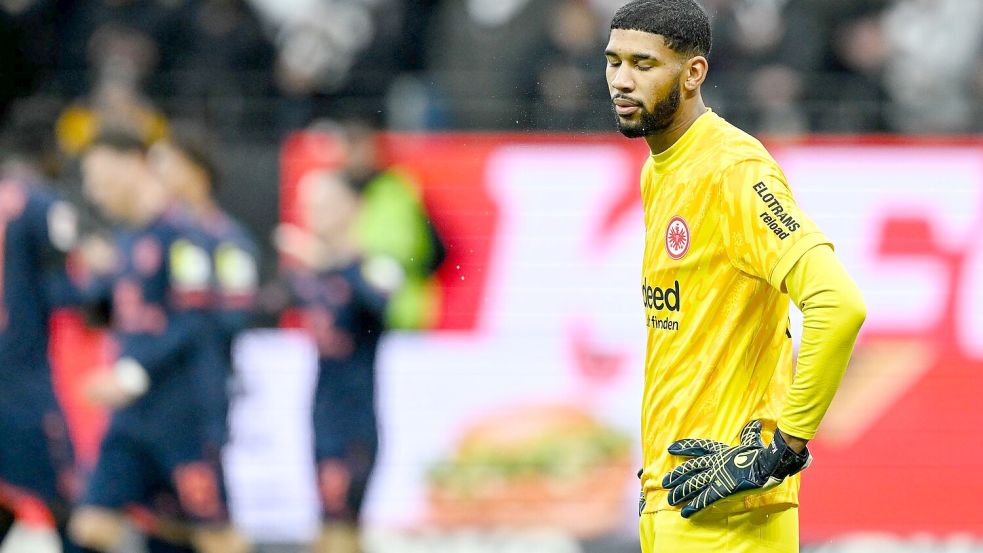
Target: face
<point>644,80</point>
<point>176,172</point>
<point>109,180</point>
<point>330,205</point>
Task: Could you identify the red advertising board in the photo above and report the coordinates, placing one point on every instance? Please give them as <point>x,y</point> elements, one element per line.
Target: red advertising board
<point>901,450</point>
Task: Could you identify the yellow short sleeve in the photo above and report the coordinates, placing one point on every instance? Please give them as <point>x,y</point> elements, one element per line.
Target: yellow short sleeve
<point>764,231</point>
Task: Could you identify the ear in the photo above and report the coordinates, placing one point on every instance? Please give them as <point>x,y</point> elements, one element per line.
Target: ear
<point>694,72</point>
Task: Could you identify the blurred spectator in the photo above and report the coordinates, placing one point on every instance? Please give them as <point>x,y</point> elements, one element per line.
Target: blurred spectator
<point>849,94</point>
<point>121,58</point>
<point>570,89</point>
<point>30,148</point>
<point>225,61</point>
<point>934,55</point>
<point>18,64</point>
<point>115,103</point>
<point>763,53</point>
<point>134,38</point>
<point>272,65</point>
<point>475,55</point>
<point>334,57</point>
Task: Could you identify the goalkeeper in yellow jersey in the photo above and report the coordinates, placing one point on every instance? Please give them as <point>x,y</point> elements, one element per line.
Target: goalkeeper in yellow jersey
<point>725,422</point>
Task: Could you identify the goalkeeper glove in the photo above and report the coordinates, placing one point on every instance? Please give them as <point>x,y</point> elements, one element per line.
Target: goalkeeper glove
<point>719,470</point>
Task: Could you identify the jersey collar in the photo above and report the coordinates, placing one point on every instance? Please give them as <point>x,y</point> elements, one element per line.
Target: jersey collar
<point>669,160</point>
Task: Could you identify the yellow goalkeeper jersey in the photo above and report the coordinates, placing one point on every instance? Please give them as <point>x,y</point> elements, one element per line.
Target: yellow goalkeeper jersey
<point>721,233</point>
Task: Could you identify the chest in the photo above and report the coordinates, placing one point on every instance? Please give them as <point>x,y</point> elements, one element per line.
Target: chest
<point>330,297</point>
<point>682,227</point>
<point>142,265</point>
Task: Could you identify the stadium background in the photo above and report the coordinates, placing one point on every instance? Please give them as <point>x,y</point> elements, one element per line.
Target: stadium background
<point>495,111</point>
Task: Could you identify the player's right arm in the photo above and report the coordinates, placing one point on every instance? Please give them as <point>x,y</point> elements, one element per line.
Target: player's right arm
<point>833,311</point>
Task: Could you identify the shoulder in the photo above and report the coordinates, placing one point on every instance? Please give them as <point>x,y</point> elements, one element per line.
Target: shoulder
<point>737,149</point>
<point>237,233</point>
<point>175,219</point>
<point>178,224</point>
<point>43,197</point>
<point>41,207</point>
<point>40,193</point>
<point>740,165</point>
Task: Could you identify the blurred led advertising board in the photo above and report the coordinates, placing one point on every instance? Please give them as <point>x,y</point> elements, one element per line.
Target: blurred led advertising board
<point>540,312</point>
<point>537,352</point>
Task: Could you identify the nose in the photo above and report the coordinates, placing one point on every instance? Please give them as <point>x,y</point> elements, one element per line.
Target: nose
<point>622,80</point>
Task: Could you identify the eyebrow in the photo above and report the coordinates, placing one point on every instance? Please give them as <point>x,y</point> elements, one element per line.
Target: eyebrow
<point>634,55</point>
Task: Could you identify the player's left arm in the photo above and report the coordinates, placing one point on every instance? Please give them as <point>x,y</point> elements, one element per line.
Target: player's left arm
<point>833,311</point>
<point>767,236</point>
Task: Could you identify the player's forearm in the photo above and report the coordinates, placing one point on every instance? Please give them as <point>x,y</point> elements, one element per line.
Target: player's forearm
<point>186,332</point>
<point>833,311</point>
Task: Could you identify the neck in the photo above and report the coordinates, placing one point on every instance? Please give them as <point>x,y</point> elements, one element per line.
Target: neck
<point>663,140</point>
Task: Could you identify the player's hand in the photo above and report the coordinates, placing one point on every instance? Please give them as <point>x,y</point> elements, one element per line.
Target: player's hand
<point>719,470</point>
<point>106,389</point>
<point>297,243</point>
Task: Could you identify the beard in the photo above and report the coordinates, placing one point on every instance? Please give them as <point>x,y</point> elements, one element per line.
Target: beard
<point>650,122</point>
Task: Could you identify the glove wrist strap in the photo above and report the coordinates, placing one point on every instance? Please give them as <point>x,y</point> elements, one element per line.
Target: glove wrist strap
<point>789,462</point>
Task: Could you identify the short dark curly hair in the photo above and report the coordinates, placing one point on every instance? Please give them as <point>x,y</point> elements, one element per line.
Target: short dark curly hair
<point>683,24</point>
<point>195,142</point>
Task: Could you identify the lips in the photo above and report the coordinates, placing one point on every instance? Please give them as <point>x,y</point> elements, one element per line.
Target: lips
<point>625,106</point>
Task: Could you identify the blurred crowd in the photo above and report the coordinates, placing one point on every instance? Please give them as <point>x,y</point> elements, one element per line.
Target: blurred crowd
<point>259,68</point>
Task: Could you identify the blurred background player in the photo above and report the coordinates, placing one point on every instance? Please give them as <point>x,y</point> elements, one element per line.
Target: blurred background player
<point>185,164</point>
<point>159,292</point>
<point>341,297</point>
<point>37,230</point>
<point>393,222</point>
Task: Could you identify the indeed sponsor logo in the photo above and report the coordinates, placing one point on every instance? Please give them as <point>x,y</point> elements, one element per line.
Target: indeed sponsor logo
<point>654,297</point>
